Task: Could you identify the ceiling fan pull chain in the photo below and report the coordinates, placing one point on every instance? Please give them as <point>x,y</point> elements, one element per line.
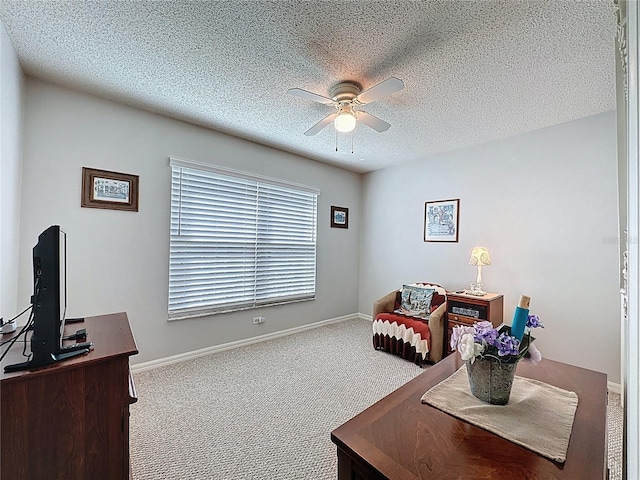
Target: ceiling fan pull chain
<point>352,142</point>
<point>336,140</point>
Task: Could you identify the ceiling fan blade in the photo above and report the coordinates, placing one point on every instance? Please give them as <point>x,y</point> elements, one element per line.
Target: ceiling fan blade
<point>372,121</point>
<point>321,124</point>
<point>314,97</point>
<point>383,89</point>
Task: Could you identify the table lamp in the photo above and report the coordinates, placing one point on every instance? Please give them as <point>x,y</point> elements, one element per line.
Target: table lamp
<point>480,257</point>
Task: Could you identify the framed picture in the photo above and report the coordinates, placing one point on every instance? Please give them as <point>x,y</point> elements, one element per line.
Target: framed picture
<point>441,221</point>
<point>113,190</point>
<point>339,217</point>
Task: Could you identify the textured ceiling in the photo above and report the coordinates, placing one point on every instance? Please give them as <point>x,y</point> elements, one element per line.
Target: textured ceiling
<point>474,71</point>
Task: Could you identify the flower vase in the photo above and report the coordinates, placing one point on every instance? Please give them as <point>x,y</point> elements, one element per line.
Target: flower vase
<point>491,381</point>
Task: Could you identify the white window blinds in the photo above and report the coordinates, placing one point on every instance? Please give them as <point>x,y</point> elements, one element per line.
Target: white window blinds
<point>238,242</point>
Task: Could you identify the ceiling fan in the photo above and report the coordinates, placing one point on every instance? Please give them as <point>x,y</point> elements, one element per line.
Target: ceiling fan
<point>347,97</point>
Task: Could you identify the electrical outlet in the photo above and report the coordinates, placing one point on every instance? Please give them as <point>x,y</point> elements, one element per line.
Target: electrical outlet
<point>257,320</point>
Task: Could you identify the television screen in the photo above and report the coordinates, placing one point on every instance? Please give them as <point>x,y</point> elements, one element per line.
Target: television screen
<point>49,291</point>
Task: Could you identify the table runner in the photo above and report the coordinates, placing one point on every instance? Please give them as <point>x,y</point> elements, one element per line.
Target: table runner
<point>538,416</point>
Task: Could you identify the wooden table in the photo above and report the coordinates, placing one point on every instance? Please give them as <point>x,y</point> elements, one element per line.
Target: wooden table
<point>400,438</point>
<point>70,420</point>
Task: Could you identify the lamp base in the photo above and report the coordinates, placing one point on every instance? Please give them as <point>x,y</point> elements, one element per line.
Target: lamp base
<point>476,289</point>
<point>477,294</point>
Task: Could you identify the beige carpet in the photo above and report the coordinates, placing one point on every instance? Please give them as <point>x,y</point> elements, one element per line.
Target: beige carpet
<point>266,411</point>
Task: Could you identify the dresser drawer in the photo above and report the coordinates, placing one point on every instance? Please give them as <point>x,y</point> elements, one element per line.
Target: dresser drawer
<point>473,311</point>
<point>466,310</point>
<point>461,319</point>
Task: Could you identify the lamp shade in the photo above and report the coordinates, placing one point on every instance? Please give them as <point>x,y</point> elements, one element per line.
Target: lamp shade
<point>345,121</point>
<point>480,256</point>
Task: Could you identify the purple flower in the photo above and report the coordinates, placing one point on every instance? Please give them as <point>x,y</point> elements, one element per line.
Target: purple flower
<point>484,325</point>
<point>483,340</point>
<point>485,333</point>
<point>533,321</point>
<point>506,345</point>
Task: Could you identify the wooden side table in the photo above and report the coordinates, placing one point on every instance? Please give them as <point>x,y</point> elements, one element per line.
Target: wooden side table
<point>464,309</point>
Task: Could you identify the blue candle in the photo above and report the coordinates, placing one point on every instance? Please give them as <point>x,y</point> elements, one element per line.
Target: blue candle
<point>520,317</point>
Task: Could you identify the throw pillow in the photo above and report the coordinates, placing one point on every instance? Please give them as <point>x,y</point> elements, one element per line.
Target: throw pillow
<point>416,301</point>
<point>439,297</point>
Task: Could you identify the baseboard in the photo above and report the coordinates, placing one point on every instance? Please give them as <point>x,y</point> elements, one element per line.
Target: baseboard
<point>161,362</point>
<point>614,388</point>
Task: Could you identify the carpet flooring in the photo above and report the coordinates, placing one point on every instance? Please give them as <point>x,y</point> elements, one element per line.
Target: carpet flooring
<point>265,411</point>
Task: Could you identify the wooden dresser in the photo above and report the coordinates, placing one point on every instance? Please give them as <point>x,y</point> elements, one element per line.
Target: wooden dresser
<point>464,309</point>
<point>70,420</point>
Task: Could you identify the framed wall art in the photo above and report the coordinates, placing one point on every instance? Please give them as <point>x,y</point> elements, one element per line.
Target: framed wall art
<point>112,190</point>
<point>339,217</point>
<point>441,221</point>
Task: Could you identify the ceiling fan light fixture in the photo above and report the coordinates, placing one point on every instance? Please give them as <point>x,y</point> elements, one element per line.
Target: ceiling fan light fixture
<point>347,97</point>
<point>345,121</point>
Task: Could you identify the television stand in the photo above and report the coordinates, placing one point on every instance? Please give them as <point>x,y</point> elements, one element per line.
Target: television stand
<point>71,419</point>
<point>40,360</point>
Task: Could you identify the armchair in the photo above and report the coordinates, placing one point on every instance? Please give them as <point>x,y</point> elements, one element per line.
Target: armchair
<point>419,339</point>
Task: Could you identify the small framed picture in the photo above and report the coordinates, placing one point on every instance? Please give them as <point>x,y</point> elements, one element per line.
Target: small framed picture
<point>441,221</point>
<point>113,190</point>
<point>339,217</point>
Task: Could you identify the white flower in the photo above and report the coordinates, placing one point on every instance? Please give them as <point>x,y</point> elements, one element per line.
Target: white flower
<point>468,348</point>
<point>534,354</point>
<point>458,332</point>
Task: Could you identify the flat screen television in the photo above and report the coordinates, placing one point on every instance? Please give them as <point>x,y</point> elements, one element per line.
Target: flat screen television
<point>49,293</point>
<point>49,302</point>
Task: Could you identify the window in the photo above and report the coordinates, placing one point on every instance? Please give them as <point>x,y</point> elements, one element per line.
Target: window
<point>238,241</point>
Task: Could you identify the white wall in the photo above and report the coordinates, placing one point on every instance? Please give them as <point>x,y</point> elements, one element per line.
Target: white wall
<point>545,205</point>
<point>118,261</point>
<point>11,106</point>
<point>542,202</point>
